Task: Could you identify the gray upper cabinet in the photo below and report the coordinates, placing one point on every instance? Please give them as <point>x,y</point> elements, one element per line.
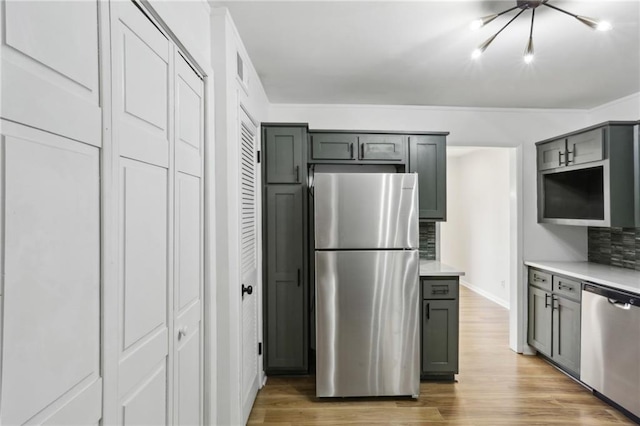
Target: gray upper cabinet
<point>382,147</point>
<point>284,153</point>
<point>334,146</point>
<point>585,147</point>
<point>552,154</point>
<point>636,171</point>
<point>428,158</point>
<point>286,343</point>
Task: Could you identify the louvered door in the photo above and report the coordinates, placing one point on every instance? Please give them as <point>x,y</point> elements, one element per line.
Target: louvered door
<point>248,230</point>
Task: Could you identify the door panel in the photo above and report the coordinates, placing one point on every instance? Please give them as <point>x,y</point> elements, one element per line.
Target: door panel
<point>365,210</point>
<point>566,333</point>
<point>146,405</point>
<point>285,340</point>
<point>249,272</point>
<point>284,154</point>
<point>440,336</point>
<point>45,83</point>
<point>189,119</point>
<point>367,323</point>
<point>427,157</point>
<point>188,300</point>
<point>586,147</point>
<point>540,320</point>
<point>334,146</point>
<point>145,239</point>
<point>51,245</point>
<point>141,103</point>
<point>552,154</point>
<point>382,147</point>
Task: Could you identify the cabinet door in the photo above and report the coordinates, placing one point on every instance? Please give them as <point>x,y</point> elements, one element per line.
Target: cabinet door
<point>333,146</point>
<point>585,147</point>
<point>540,320</point>
<point>566,333</point>
<point>284,154</point>
<point>381,147</point>
<point>439,336</point>
<point>551,154</point>
<point>427,157</point>
<point>286,324</point>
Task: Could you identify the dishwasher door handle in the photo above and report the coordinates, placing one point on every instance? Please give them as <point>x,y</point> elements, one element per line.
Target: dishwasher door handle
<point>619,305</point>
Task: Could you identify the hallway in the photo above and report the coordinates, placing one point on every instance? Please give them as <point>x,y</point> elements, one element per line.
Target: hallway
<point>495,387</point>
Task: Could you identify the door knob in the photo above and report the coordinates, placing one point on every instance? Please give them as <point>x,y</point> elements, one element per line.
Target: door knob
<point>182,331</point>
<point>247,289</point>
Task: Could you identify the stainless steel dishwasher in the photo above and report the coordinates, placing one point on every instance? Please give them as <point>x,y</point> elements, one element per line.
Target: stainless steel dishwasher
<point>610,348</point>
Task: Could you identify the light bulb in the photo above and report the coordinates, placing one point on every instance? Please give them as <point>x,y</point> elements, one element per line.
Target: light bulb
<point>476,24</point>
<point>528,58</point>
<point>604,26</point>
<point>528,52</point>
<point>476,54</point>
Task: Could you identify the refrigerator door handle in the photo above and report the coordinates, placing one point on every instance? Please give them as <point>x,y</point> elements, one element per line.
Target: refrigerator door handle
<point>298,277</point>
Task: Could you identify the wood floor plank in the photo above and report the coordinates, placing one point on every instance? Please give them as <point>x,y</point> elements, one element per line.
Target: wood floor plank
<point>495,386</point>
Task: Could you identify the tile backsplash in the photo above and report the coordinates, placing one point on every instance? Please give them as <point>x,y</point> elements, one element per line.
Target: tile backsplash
<point>615,246</point>
<point>428,240</point>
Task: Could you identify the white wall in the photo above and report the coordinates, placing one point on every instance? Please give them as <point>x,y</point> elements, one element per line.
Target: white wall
<point>476,235</point>
<point>627,108</point>
<point>229,95</point>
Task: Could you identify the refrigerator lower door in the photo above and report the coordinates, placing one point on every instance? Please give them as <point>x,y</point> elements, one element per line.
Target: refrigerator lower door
<point>367,323</point>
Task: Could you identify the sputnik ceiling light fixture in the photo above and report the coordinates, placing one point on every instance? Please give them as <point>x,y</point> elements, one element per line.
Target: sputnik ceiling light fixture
<point>525,5</point>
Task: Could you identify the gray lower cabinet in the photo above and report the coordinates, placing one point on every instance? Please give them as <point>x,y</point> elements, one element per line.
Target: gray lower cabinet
<point>284,153</point>
<point>440,328</point>
<point>554,319</point>
<point>286,310</point>
<point>428,158</point>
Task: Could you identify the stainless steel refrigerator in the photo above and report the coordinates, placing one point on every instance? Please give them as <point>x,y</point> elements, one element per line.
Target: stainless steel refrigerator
<point>367,285</point>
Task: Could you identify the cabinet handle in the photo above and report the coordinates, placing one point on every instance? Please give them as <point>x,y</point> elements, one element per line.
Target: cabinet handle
<point>560,154</point>
<point>298,277</point>
<point>537,278</point>
<point>428,310</point>
<point>546,300</point>
<point>182,331</point>
<point>554,305</point>
<point>351,150</point>
<point>569,160</point>
<point>440,291</point>
<point>297,173</point>
<point>362,151</point>
<point>564,286</point>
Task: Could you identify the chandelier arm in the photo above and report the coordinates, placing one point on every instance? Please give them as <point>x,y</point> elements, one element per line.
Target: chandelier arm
<point>505,11</point>
<point>560,10</point>
<point>507,24</point>
<point>533,15</point>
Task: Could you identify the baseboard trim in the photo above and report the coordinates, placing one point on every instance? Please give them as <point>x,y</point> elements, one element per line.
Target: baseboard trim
<point>485,294</point>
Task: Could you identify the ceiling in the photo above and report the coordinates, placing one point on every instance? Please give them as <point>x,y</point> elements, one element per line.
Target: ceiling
<point>418,53</point>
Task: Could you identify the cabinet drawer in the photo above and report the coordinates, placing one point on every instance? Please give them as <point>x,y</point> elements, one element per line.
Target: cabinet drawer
<point>382,147</point>
<point>433,288</point>
<point>567,287</point>
<point>540,279</point>
<point>333,146</point>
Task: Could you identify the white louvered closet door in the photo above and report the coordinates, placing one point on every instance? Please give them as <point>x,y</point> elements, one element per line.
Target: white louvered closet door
<point>248,259</point>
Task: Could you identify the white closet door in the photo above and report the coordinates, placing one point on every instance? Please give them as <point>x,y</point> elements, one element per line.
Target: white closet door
<point>248,266</point>
<point>188,273</point>
<point>141,75</point>
<point>50,67</point>
<point>51,278</point>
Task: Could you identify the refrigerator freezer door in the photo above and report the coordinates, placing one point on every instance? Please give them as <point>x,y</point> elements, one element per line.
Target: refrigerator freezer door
<point>367,323</point>
<point>366,210</point>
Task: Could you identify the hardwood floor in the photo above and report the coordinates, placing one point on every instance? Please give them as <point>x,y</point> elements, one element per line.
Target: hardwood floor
<point>495,387</point>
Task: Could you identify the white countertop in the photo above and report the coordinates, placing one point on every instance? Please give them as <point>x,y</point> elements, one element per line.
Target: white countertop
<point>612,276</point>
<point>434,268</point>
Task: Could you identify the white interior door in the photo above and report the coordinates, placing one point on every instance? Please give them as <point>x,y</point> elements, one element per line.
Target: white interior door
<point>248,259</point>
<point>189,232</point>
<point>142,98</point>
